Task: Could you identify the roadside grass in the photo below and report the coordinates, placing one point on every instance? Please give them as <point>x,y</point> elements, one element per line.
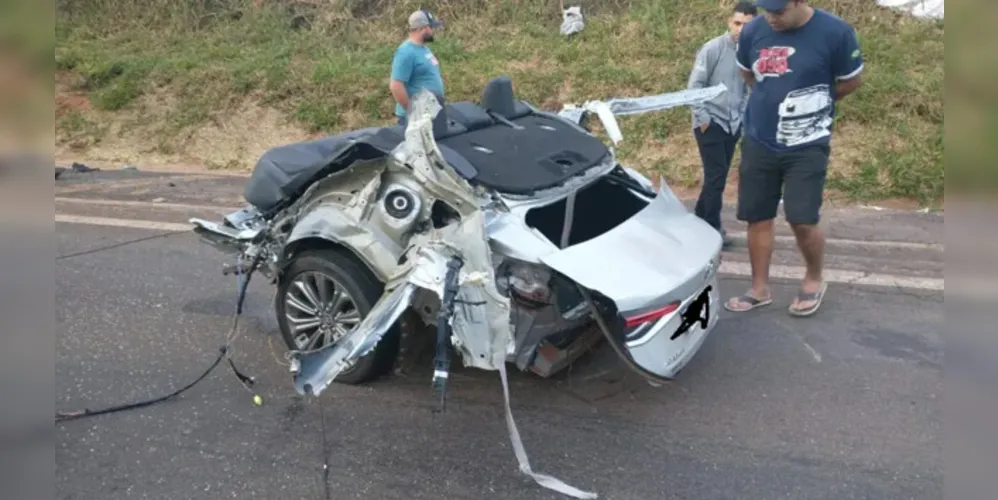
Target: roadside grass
<point>171,68</point>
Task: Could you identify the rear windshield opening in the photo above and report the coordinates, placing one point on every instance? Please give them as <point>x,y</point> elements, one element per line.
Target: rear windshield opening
<point>599,207</point>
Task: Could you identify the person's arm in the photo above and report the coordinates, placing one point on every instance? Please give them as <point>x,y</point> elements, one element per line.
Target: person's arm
<point>401,72</point>
<point>742,58</point>
<point>847,65</point>
<point>399,93</point>
<point>699,77</point>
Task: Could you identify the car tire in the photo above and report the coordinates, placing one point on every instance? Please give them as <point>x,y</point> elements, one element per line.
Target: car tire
<point>345,272</point>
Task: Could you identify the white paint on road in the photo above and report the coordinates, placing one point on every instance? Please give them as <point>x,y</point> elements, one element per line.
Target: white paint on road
<point>906,245</point>
<point>147,204</point>
<point>129,223</point>
<point>730,268</point>
<point>837,276</point>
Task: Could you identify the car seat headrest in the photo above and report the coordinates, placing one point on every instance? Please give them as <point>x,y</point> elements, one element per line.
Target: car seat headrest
<point>498,97</point>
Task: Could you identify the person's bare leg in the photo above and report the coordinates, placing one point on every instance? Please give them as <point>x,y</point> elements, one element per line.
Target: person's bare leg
<point>760,182</point>
<point>811,242</point>
<point>760,247</point>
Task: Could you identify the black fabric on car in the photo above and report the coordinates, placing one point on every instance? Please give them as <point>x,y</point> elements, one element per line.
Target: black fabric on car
<point>544,153</point>
<point>442,125</point>
<point>469,115</point>
<point>460,164</point>
<point>284,172</point>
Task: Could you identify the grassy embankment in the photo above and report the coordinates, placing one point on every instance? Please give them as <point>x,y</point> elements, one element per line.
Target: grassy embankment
<point>173,80</point>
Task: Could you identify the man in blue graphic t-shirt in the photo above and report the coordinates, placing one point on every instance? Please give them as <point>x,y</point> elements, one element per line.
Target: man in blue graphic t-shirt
<point>414,67</point>
<point>797,60</point>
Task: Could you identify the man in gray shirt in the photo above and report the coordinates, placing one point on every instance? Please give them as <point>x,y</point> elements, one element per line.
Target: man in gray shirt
<point>717,124</point>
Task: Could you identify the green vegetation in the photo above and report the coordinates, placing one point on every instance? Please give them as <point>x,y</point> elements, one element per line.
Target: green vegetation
<point>972,102</point>
<point>25,60</point>
<point>326,66</point>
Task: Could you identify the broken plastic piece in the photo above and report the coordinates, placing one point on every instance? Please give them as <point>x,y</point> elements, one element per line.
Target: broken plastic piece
<point>608,110</point>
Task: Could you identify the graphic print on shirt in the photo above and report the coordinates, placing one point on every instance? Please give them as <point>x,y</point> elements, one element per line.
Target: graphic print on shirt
<point>805,115</point>
<point>773,62</point>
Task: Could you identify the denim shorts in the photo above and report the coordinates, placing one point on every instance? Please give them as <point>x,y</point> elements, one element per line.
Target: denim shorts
<point>798,176</point>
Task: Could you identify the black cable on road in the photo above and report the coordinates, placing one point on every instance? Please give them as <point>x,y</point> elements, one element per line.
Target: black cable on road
<point>63,416</point>
<point>121,244</point>
<point>223,352</point>
<point>325,452</point>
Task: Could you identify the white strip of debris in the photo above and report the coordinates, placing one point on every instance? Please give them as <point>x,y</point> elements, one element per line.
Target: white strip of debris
<point>607,111</point>
<point>544,480</point>
<point>925,9</point>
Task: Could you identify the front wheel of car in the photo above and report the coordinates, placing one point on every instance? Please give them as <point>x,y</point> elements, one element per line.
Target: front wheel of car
<point>322,296</point>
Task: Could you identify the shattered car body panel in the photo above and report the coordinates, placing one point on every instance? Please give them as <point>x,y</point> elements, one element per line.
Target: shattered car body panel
<point>543,222</point>
<point>606,110</point>
<point>481,319</point>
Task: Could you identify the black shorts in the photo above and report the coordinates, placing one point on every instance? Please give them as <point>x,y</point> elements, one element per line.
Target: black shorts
<point>764,175</point>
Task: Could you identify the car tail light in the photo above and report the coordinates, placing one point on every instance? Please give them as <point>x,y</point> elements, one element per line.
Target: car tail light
<point>653,315</point>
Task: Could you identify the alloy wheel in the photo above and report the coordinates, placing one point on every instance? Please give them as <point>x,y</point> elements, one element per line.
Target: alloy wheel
<point>319,310</point>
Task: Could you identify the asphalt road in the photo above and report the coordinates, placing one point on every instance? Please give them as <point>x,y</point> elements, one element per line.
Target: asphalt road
<point>846,404</point>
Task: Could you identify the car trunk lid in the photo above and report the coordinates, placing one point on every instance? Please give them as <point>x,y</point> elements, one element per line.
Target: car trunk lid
<point>658,255</point>
<point>656,268</point>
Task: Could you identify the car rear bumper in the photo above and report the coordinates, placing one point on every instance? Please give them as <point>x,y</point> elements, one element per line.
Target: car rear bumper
<point>662,348</point>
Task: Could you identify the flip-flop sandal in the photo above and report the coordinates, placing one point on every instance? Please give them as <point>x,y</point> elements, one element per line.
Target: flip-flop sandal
<point>750,300</point>
<point>803,297</point>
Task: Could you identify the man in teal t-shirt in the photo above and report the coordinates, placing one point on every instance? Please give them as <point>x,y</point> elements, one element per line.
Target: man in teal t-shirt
<point>414,67</point>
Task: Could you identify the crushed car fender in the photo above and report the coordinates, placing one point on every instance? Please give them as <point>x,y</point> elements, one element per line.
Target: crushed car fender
<point>481,320</point>
<point>480,323</point>
<point>315,370</point>
<point>330,222</point>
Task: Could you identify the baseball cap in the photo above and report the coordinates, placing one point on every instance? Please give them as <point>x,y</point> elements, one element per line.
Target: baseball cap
<point>422,18</point>
<point>771,5</point>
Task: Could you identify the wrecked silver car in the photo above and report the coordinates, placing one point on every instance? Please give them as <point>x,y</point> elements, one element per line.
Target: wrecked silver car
<point>513,233</point>
<point>551,244</point>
